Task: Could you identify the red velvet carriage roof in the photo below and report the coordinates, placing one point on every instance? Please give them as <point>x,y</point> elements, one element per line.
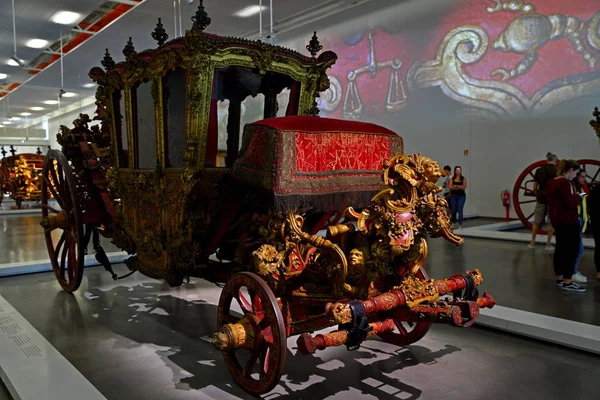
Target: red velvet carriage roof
<point>315,163</point>
<point>318,124</point>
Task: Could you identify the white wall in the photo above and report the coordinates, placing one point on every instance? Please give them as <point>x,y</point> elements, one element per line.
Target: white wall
<point>442,128</point>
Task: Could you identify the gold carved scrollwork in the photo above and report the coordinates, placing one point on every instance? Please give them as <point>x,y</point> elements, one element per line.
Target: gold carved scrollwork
<point>417,291</point>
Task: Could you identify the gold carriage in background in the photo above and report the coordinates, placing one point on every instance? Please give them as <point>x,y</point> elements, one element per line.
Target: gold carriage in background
<point>20,177</point>
<point>186,195</point>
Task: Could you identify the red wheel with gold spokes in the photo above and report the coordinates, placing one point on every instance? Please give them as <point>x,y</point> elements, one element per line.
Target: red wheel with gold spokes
<point>406,332</point>
<point>63,228</point>
<point>253,345</point>
<point>524,197</point>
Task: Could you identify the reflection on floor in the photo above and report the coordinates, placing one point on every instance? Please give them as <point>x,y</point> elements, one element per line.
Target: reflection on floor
<point>140,339</point>
<point>22,239</point>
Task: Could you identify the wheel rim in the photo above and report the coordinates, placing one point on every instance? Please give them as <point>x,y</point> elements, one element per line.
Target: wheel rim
<point>257,368</point>
<point>523,196</point>
<point>66,253</point>
<point>405,332</point>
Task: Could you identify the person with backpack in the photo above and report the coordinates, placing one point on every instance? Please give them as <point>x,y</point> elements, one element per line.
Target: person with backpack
<point>563,204</point>
<point>543,175</point>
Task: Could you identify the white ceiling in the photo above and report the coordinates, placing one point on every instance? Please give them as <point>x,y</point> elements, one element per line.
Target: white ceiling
<point>33,21</point>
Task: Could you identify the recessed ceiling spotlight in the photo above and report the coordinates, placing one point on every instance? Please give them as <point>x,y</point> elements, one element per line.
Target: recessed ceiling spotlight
<point>1,126</point>
<point>41,108</point>
<point>15,118</point>
<point>69,94</point>
<point>3,76</point>
<point>12,63</point>
<point>49,102</point>
<point>7,122</point>
<point>65,17</point>
<point>36,43</point>
<point>25,114</point>
<point>249,11</point>
<point>89,85</point>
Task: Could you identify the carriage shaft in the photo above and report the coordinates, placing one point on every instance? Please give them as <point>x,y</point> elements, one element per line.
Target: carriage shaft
<point>405,295</point>
<point>308,344</point>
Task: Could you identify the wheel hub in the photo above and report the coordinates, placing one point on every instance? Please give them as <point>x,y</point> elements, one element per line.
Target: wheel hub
<point>238,335</point>
<point>53,222</point>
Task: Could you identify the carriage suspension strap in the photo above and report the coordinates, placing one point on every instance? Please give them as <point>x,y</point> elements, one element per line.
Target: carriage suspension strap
<point>470,291</point>
<point>101,256</point>
<point>358,329</point>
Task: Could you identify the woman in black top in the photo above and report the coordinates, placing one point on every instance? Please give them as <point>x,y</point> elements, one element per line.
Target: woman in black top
<point>458,196</point>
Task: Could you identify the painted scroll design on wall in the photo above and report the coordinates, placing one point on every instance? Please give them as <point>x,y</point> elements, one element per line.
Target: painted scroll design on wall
<point>524,35</point>
<point>502,59</point>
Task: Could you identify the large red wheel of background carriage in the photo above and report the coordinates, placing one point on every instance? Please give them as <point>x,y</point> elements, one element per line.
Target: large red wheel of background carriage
<point>524,197</point>
<point>67,253</point>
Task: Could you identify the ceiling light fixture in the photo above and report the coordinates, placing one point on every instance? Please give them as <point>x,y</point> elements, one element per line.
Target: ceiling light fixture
<point>69,94</point>
<point>49,102</point>
<point>25,114</point>
<point>41,108</point>
<point>12,63</point>
<point>36,43</point>
<point>3,76</point>
<point>15,118</point>
<point>7,122</point>
<point>89,85</point>
<point>249,11</point>
<point>65,17</point>
<point>1,126</point>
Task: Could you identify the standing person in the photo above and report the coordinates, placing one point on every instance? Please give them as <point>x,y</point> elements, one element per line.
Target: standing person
<point>458,196</point>
<point>594,208</point>
<point>543,175</point>
<point>563,201</point>
<point>581,187</point>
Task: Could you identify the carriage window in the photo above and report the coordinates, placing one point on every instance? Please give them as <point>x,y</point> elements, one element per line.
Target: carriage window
<point>121,127</point>
<point>241,95</point>
<point>144,127</point>
<point>174,115</point>
<point>283,100</point>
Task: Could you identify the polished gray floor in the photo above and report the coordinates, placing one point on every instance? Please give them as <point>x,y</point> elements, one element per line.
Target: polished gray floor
<point>22,239</point>
<point>140,339</point>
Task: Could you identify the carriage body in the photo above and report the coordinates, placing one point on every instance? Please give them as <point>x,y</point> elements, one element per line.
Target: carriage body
<point>20,177</point>
<point>321,222</point>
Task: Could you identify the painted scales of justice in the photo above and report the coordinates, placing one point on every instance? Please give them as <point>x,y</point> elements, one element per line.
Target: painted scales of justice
<point>308,222</point>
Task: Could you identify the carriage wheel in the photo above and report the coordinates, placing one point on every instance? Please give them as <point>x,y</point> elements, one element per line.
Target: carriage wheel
<point>257,364</point>
<point>406,332</point>
<point>524,197</point>
<point>66,254</point>
<point>592,170</point>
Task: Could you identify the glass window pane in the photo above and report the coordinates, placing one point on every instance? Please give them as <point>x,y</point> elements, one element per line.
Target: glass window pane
<point>121,127</point>
<point>145,128</point>
<point>174,101</point>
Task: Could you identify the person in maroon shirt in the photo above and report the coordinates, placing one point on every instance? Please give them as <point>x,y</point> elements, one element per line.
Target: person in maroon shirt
<point>563,200</point>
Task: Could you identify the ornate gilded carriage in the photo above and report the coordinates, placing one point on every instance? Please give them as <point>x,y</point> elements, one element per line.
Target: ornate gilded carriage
<point>309,222</point>
<point>20,177</point>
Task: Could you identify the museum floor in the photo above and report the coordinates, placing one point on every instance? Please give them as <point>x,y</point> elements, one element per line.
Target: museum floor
<point>139,339</point>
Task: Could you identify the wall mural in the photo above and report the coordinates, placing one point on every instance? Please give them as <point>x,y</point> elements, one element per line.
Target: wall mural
<point>504,59</point>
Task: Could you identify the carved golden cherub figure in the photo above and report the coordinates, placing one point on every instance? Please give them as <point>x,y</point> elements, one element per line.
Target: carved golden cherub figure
<point>530,31</point>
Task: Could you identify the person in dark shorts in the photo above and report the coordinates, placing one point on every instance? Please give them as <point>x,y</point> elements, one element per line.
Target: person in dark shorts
<point>543,175</point>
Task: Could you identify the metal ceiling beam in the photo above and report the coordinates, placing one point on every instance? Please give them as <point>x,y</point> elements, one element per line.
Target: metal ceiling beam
<point>127,2</point>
